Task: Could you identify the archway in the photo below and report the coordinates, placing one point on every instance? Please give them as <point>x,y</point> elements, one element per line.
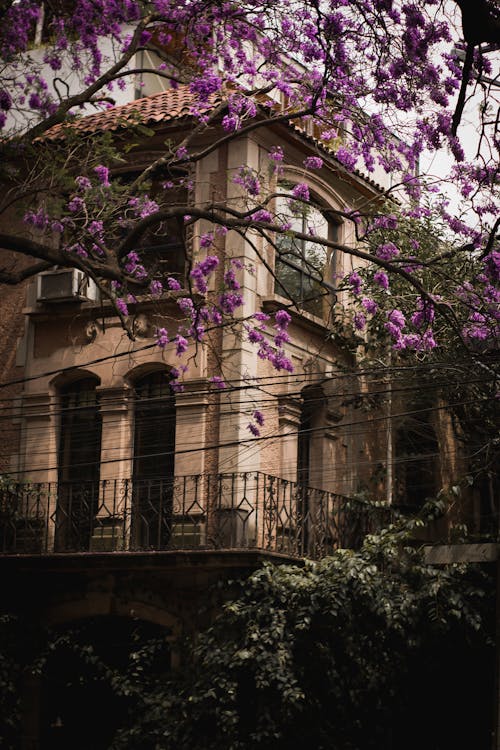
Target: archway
<point>92,678</point>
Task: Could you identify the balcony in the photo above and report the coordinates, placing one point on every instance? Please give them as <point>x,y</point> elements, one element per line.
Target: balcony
<point>205,512</point>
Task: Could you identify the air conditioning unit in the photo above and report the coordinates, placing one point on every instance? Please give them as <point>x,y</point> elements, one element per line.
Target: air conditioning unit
<point>65,285</point>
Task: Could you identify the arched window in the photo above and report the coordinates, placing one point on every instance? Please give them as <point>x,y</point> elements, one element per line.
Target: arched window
<point>154,461</point>
<point>301,265</point>
<point>78,465</point>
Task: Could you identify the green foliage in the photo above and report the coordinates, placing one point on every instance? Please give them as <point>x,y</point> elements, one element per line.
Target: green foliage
<point>335,655</point>
<point>343,654</point>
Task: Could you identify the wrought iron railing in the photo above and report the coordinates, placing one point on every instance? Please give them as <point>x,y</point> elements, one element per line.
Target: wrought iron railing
<point>249,510</point>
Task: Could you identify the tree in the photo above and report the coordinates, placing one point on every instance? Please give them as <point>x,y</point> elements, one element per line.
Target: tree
<point>376,82</point>
<point>345,653</point>
<point>364,649</point>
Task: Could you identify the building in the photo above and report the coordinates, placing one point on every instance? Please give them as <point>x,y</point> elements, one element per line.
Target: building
<point>126,497</point>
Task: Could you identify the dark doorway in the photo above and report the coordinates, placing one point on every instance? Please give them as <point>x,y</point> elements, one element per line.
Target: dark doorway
<point>154,461</point>
<point>79,465</point>
<point>85,700</point>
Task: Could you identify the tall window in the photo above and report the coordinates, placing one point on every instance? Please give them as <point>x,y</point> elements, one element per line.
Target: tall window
<point>162,247</point>
<point>79,464</point>
<point>417,458</point>
<point>154,461</point>
<point>163,252</point>
<point>301,265</point>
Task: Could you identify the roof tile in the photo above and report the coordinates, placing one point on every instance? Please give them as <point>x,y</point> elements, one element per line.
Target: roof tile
<point>162,107</point>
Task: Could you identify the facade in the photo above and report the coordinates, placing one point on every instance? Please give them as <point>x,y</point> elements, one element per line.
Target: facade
<point>127,497</point>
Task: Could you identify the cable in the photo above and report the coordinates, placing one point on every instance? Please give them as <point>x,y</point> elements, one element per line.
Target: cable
<point>269,405</point>
<point>260,439</point>
<point>351,373</point>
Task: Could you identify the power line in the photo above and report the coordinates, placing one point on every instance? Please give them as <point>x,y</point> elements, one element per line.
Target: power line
<point>260,439</point>
<point>360,372</point>
<point>269,405</point>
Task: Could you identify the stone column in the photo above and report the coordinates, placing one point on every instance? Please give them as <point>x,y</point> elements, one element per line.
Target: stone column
<point>37,493</point>
<point>112,522</point>
<point>191,485</point>
<point>289,409</point>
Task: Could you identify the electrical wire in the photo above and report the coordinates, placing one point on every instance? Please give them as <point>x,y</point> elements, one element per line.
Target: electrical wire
<point>262,438</point>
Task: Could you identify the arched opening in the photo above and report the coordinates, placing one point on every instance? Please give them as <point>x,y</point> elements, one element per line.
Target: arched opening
<point>79,457</point>
<point>302,265</point>
<point>154,461</point>
<point>96,673</point>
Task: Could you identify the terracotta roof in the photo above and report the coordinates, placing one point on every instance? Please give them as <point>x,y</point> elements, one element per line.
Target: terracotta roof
<point>171,104</point>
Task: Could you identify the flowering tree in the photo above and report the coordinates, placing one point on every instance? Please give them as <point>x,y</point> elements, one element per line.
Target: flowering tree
<point>380,83</point>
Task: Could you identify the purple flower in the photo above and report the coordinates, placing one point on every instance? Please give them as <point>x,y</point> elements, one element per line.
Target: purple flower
<point>280,361</point>
<point>393,329</point>
<point>230,301</point>
<point>313,162</point>
<point>282,318</point>
<point>247,179</point>
<point>255,336</point>
<point>346,158</point>
<point>186,305</point>
<point>230,280</point>
<point>156,288</point>
<point>387,251</point>
<point>397,318</point>
<point>208,265</point>
<point>162,337</point>
<point>218,382</point>
<point>121,306</point>
<point>281,338</point>
<point>381,278</point>
<point>301,191</point>
<point>102,173</point>
<point>370,305</point>
<point>199,280</point>
<point>5,100</point>
<point>83,182</point>
<point>206,240</point>
<point>38,219</point>
<point>57,226</point>
<point>253,429</point>
<point>35,102</point>
<point>359,321</point>
<point>76,204</point>
<point>181,345</point>
<point>259,417</point>
<point>428,341</point>
<point>385,222</point>
<point>230,122</point>
<point>355,281</point>
<point>262,215</point>
<point>173,284</point>
<point>276,154</point>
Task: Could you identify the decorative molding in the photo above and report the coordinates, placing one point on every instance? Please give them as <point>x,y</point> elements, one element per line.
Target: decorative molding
<point>141,326</point>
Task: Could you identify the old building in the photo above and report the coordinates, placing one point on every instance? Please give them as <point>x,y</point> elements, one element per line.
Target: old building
<point>126,497</point>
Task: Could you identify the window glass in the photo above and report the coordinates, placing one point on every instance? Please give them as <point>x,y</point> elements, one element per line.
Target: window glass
<point>154,462</point>
<point>302,265</point>
<point>162,247</point>
<point>79,466</point>
<point>417,457</point>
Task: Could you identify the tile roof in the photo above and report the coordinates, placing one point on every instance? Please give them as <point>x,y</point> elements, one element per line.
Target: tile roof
<point>171,104</point>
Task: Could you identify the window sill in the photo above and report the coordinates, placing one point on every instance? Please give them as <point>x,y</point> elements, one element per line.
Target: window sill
<point>305,319</point>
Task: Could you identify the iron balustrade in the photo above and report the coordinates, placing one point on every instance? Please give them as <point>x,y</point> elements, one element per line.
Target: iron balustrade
<point>249,510</point>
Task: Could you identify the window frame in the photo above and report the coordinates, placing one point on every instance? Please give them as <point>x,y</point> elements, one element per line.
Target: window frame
<point>301,265</point>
